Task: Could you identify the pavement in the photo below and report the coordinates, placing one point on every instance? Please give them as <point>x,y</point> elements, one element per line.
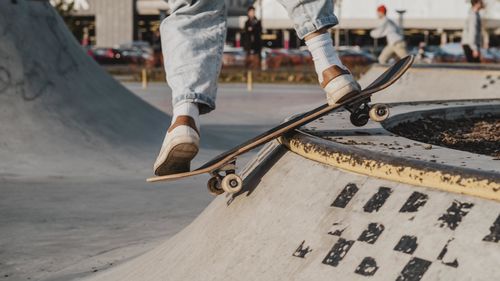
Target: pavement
<point>76,147</point>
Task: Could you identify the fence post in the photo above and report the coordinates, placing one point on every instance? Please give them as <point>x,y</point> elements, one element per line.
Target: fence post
<point>249,81</point>
<point>144,78</point>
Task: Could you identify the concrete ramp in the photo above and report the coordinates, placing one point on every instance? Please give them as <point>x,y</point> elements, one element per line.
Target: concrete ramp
<point>304,220</point>
<point>61,113</point>
<point>335,202</point>
<point>302,215</point>
<point>440,83</point>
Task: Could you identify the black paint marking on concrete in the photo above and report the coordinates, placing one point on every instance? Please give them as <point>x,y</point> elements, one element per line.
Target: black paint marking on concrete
<point>443,252</point>
<point>5,79</point>
<point>455,213</point>
<point>301,252</point>
<point>371,234</point>
<point>338,231</point>
<point>338,252</point>
<point>377,200</point>
<point>407,244</point>
<point>345,195</point>
<point>40,84</point>
<point>414,270</point>
<point>453,263</point>
<point>414,202</point>
<point>494,235</point>
<point>367,267</point>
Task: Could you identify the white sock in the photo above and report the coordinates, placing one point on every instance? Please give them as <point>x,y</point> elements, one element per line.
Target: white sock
<point>187,108</point>
<point>323,53</point>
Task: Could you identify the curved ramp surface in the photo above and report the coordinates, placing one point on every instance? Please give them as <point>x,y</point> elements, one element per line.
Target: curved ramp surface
<point>75,147</point>
<point>302,220</point>
<point>440,83</point>
<point>61,113</point>
<point>62,116</point>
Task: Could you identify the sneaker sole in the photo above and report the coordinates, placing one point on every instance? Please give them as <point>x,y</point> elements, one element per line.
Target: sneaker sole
<point>178,159</point>
<point>346,94</point>
<point>336,96</point>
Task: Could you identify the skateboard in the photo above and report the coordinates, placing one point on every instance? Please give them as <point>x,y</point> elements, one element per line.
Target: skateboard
<point>222,168</point>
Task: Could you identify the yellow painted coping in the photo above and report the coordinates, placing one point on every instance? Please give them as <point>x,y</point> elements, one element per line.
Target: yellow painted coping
<point>410,171</point>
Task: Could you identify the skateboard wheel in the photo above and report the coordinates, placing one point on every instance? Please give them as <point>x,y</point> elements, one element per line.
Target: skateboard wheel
<point>214,186</point>
<point>359,119</point>
<point>379,112</point>
<point>231,183</point>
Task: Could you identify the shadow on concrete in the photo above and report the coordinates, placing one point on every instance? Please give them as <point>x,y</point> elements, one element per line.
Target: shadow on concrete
<point>252,180</point>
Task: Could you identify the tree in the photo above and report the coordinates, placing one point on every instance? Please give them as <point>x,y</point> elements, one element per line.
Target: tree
<point>65,8</point>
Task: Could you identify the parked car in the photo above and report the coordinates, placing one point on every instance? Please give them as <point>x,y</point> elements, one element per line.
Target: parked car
<point>107,56</point>
<point>453,53</point>
<point>142,46</point>
<point>275,58</point>
<point>137,52</point>
<point>88,50</point>
<point>450,53</point>
<point>295,56</point>
<point>425,54</point>
<point>489,56</point>
<point>354,56</point>
<point>306,55</point>
<point>495,52</point>
<point>233,56</point>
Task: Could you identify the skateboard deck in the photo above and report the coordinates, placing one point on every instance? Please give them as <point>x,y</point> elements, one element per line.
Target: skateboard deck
<point>358,105</point>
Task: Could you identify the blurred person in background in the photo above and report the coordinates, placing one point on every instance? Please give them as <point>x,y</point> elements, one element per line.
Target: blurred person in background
<point>396,46</point>
<point>422,56</point>
<point>471,35</point>
<point>421,51</point>
<point>252,42</point>
<point>193,39</point>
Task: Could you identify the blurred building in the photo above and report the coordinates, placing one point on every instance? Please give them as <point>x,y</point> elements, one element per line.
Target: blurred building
<point>430,21</point>
<point>113,22</point>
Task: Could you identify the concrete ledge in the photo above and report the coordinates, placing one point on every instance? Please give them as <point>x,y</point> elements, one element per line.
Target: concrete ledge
<point>452,113</point>
<point>450,178</point>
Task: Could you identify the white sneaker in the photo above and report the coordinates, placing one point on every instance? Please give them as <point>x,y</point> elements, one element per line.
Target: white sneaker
<point>180,146</point>
<point>339,85</point>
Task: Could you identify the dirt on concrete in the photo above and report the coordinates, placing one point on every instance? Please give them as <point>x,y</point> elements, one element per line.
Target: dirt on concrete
<point>477,135</point>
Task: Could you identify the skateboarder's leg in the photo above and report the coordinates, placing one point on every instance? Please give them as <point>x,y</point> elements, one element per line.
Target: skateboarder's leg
<point>312,19</point>
<point>386,54</point>
<point>192,42</point>
<point>400,49</point>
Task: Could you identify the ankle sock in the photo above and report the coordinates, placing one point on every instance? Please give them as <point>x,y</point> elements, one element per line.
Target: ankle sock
<point>189,109</point>
<point>323,53</point>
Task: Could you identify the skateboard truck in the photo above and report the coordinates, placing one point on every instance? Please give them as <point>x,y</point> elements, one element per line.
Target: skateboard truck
<point>362,111</point>
<point>230,182</point>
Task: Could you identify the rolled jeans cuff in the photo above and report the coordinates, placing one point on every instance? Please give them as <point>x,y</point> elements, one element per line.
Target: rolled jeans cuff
<point>205,102</point>
<point>309,27</point>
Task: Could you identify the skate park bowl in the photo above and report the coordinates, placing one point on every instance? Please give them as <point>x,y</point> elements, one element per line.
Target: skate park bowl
<point>331,201</point>
<point>326,201</point>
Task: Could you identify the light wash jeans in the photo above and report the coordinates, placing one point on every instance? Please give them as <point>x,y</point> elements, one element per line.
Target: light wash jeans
<point>193,39</point>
